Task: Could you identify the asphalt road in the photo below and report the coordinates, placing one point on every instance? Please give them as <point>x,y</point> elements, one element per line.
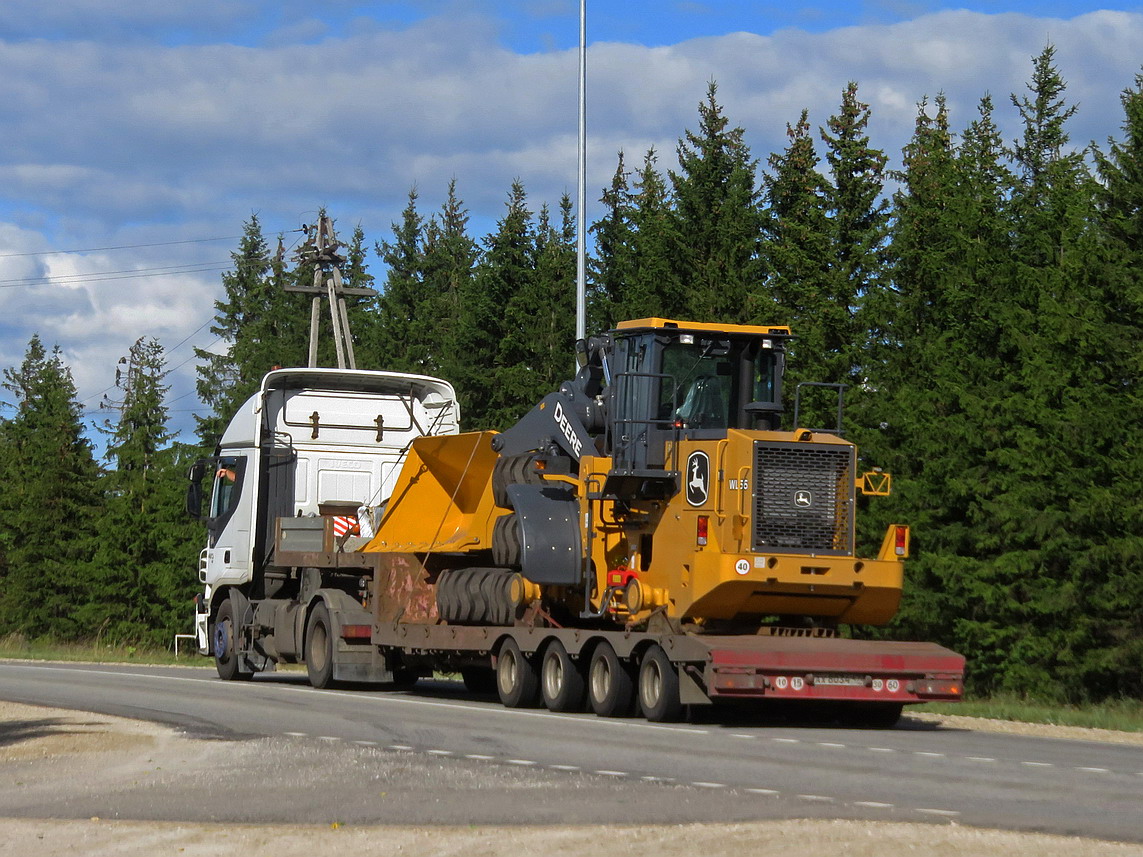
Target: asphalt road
<point>275,749</point>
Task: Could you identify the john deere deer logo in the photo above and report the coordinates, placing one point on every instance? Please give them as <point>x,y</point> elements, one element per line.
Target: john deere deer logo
<point>803,499</point>
<point>698,478</point>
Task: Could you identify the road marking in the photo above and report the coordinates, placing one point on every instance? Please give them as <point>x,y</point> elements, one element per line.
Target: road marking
<point>772,792</point>
<point>873,804</point>
<point>400,747</point>
<point>741,735</point>
<point>564,767</point>
<point>881,749</point>
<point>818,798</point>
<point>786,740</point>
<point>658,779</point>
<point>366,743</point>
<point>1038,764</point>
<point>949,813</point>
<point>930,755</point>
<point>703,785</point>
<point>327,738</point>
<point>829,744</point>
<point>612,773</point>
<point>479,757</point>
<point>1095,770</point>
<point>439,752</point>
<point>525,763</point>
<point>295,734</point>
<point>980,758</point>
<point>386,699</point>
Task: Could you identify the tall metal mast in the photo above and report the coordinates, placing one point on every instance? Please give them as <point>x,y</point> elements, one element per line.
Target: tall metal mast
<point>581,203</point>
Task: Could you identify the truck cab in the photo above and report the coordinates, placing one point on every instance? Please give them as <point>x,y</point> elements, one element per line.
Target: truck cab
<point>308,461</point>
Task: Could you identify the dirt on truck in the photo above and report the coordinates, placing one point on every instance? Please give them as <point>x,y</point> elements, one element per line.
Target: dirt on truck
<point>647,539</point>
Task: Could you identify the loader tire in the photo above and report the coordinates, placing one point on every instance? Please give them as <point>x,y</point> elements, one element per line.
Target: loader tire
<point>507,549</point>
<point>475,596</point>
<point>512,470</point>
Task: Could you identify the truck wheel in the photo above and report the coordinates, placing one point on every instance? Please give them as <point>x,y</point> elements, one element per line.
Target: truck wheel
<point>610,689</point>
<point>516,679</point>
<point>561,683</point>
<point>226,657</point>
<point>319,647</point>
<point>659,687</point>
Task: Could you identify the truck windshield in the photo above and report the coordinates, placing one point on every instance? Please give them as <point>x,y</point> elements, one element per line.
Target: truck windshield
<point>709,382</point>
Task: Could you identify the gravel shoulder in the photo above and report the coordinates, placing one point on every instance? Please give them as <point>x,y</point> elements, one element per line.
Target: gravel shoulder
<point>46,755</point>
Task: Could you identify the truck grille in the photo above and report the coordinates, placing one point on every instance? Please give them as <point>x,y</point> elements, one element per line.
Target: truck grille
<point>803,498</point>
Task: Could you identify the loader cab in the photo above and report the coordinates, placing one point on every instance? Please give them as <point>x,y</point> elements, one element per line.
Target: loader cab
<point>680,380</point>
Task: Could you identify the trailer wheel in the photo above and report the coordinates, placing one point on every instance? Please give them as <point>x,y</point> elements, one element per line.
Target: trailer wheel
<point>516,678</point>
<point>226,657</point>
<point>319,647</point>
<point>659,687</point>
<point>610,689</point>
<point>561,683</point>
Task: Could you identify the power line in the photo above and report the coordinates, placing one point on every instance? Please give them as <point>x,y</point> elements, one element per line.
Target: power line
<point>110,276</point>
<point>121,247</point>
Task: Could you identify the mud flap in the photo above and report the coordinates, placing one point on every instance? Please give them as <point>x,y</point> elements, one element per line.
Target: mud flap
<point>689,691</point>
<point>549,533</point>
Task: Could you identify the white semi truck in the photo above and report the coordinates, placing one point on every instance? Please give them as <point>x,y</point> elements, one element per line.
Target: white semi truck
<point>299,477</point>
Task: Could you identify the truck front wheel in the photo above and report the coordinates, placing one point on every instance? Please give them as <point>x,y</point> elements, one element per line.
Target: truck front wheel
<point>223,640</point>
<point>319,647</point>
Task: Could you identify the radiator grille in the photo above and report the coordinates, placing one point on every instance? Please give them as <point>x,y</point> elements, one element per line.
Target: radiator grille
<point>803,498</point>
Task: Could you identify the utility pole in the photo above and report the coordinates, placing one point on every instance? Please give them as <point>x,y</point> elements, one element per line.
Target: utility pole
<point>321,250</point>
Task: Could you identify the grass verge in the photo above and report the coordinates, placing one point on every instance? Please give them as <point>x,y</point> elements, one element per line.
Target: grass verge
<point>16,646</point>
<point>1124,715</point>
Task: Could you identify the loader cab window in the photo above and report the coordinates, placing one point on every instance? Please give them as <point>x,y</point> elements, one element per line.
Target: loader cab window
<point>709,381</point>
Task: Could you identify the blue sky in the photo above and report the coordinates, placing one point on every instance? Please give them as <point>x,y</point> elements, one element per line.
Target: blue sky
<point>149,126</point>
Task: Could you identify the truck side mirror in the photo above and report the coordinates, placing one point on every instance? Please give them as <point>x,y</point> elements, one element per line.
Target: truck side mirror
<point>195,475</point>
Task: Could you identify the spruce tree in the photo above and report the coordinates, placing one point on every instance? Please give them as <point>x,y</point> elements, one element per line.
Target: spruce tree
<point>858,222</point>
<point>716,220</point>
<point>506,267</point>
<point>613,269</point>
<point>145,559</point>
<point>798,254</point>
<point>261,326</point>
<point>449,262</point>
<point>51,488</point>
<point>401,344</point>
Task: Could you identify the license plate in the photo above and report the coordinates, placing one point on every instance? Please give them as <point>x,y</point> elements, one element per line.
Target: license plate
<point>843,680</point>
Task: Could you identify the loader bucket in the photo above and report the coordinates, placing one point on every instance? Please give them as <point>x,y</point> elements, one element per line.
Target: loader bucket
<point>443,497</point>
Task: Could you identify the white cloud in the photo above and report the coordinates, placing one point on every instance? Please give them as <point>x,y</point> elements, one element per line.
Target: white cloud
<point>124,140</point>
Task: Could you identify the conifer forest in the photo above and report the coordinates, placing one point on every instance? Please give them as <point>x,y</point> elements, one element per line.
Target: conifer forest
<point>982,297</point>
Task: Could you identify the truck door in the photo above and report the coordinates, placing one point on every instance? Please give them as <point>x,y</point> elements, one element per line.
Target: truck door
<point>228,521</point>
